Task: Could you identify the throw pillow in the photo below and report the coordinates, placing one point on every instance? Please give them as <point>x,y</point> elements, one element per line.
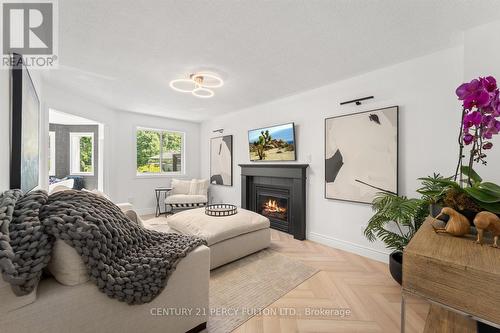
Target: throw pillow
<point>180,186</point>
<point>198,187</point>
<point>66,265</point>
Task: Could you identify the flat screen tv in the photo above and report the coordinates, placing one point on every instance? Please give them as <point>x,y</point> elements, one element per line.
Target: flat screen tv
<point>276,143</point>
<point>25,120</point>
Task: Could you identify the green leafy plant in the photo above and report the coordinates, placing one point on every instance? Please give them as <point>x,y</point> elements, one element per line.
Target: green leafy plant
<point>485,194</point>
<point>435,187</point>
<point>403,214</point>
<point>86,154</point>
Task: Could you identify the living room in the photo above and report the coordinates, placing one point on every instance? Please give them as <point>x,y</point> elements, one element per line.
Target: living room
<point>300,158</point>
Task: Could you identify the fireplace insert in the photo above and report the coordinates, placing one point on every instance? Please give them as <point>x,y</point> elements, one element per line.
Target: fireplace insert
<point>273,207</point>
<point>274,202</point>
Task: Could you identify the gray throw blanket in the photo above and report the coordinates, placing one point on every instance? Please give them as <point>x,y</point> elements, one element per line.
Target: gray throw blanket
<point>126,261</point>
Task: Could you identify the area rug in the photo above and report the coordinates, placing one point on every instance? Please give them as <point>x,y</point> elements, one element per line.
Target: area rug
<point>240,289</point>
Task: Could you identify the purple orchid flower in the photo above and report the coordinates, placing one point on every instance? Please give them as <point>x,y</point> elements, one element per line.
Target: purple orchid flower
<point>466,89</point>
<point>481,112</point>
<point>492,128</point>
<point>479,99</point>
<point>489,83</point>
<point>468,138</point>
<point>477,93</point>
<point>495,104</point>
<point>472,119</point>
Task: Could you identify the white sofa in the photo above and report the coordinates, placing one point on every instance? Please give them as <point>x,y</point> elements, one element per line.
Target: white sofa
<point>64,184</point>
<point>82,308</point>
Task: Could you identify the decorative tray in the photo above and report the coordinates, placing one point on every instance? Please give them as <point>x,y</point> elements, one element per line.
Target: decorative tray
<point>221,210</point>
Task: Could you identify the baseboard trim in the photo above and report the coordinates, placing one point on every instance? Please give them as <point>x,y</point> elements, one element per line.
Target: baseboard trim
<point>350,247</point>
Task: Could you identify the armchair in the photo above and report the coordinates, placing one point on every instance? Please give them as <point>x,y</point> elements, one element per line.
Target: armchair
<point>187,194</point>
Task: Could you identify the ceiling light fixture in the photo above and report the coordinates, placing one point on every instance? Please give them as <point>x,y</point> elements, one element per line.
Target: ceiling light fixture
<point>202,92</point>
<point>183,85</point>
<point>198,84</point>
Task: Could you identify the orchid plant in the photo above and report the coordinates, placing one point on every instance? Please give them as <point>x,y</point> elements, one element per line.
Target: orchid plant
<point>481,110</point>
<point>480,122</point>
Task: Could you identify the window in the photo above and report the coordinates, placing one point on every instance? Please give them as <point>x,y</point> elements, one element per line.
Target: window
<point>81,153</point>
<point>52,153</point>
<point>159,152</point>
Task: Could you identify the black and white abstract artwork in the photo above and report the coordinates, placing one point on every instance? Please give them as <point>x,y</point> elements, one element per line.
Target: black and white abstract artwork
<point>361,155</point>
<point>221,160</point>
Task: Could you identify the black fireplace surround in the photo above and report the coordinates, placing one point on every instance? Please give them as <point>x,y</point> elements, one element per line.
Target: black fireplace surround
<point>277,191</point>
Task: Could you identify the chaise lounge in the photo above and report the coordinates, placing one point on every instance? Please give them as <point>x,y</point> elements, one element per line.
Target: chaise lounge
<point>68,302</point>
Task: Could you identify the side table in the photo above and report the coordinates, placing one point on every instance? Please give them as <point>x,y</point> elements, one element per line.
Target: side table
<point>161,192</point>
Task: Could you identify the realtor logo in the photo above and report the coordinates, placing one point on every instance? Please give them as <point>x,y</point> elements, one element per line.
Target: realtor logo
<point>29,29</point>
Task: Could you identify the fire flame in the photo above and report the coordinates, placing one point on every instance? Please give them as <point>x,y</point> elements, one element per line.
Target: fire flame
<point>272,206</point>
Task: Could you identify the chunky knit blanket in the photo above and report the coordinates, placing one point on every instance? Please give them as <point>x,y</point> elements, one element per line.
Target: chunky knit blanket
<point>126,261</point>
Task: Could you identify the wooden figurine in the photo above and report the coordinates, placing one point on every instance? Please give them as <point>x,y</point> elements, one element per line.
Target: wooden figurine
<point>487,221</point>
<point>458,225</point>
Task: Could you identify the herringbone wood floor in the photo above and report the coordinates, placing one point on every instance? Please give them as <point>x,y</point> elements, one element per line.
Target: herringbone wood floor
<point>345,280</point>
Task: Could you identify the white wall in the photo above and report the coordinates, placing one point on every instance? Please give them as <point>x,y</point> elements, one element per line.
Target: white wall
<point>482,51</point>
<point>120,180</point>
<point>423,88</point>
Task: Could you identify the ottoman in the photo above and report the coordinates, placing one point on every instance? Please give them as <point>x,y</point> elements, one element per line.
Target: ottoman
<point>229,237</point>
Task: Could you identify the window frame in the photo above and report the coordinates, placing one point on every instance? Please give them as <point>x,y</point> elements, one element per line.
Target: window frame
<point>72,135</point>
<point>52,153</point>
<point>182,172</point>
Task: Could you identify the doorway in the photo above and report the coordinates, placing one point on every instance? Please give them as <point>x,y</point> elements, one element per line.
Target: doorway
<point>75,152</point>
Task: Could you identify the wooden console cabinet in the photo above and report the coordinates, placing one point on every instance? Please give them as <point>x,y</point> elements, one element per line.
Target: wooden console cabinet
<point>456,275</point>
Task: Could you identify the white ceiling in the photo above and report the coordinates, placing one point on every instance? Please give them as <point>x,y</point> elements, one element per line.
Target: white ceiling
<point>123,53</point>
<point>61,118</point>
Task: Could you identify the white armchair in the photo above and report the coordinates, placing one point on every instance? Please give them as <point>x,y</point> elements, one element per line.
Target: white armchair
<point>187,194</point>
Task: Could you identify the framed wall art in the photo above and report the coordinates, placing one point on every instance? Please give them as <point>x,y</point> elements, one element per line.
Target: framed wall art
<point>221,160</point>
<point>361,155</point>
<point>25,124</point>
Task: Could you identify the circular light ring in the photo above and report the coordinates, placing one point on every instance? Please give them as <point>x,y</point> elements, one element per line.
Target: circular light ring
<point>202,92</point>
<point>173,84</point>
<point>204,76</point>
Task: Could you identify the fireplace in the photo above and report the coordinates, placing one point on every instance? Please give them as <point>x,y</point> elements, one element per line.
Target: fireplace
<point>277,191</point>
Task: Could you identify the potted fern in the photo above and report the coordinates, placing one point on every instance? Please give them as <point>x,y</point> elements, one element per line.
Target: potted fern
<point>396,220</point>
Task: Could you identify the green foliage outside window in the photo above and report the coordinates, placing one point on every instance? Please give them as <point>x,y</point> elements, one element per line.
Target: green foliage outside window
<point>86,154</point>
<point>159,148</point>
